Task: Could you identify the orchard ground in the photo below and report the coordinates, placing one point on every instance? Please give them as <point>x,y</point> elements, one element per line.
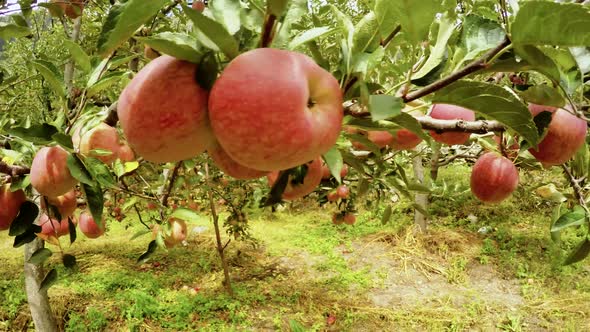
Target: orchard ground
<point>479,267</point>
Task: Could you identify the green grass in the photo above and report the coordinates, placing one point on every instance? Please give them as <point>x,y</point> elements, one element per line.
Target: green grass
<point>368,276</point>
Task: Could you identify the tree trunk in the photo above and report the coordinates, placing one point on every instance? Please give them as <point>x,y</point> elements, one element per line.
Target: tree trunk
<point>38,300</point>
<point>70,65</point>
<point>420,199</point>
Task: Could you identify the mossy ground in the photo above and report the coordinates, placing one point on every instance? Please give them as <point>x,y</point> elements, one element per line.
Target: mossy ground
<point>307,274</point>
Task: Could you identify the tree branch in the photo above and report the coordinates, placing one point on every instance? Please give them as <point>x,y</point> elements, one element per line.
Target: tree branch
<point>388,39</point>
<point>578,191</point>
<point>13,171</point>
<point>474,66</point>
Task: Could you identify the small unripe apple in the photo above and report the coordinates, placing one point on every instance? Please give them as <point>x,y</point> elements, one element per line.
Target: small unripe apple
<point>451,112</point>
<point>274,109</point>
<point>163,112</point>
<point>312,179</point>
<point>10,203</point>
<point>565,135</point>
<point>493,178</point>
<point>66,204</point>
<point>50,174</point>
<point>230,167</point>
<point>343,191</point>
<point>89,227</point>
<point>117,210</point>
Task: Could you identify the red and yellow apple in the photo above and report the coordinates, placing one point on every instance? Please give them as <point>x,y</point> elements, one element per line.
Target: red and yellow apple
<point>89,227</point>
<point>493,178</point>
<point>176,233</point>
<point>10,203</point>
<point>66,204</point>
<point>71,8</point>
<point>565,135</point>
<point>52,228</point>
<point>50,174</point>
<point>163,112</point>
<point>451,112</point>
<point>312,179</point>
<point>230,167</point>
<point>274,109</point>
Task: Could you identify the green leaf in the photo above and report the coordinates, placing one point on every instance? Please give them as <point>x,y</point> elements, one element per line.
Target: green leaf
<point>63,140</point>
<point>95,200</point>
<point>69,261</point>
<point>386,215</point>
<point>72,230</point>
<point>27,215</point>
<point>310,35</point>
<point>208,71</point>
<point>100,172</point>
<point>185,214</point>
<point>436,61</point>
<point>123,20</point>
<point>479,35</point>
<point>212,34</point>
<point>140,233</point>
<point>27,236</point>
<point>227,12</point>
<point>411,123</point>
<point>493,102</point>
<point>11,30</point>
<point>277,7</point>
<point>551,23</point>
<point>543,95</point>
<point>40,134</point>
<point>78,170</point>
<point>150,250</point>
<point>576,217</point>
<point>582,57</point>
<point>333,159</point>
<point>384,106</point>
<point>366,34</point>
<point>539,61</point>
<point>48,281</point>
<point>178,45</point>
<point>20,183</point>
<point>106,82</point>
<point>295,326</point>
<point>52,75</point>
<point>97,72</point>
<point>40,256</point>
<point>580,253</point>
<point>81,58</point>
<point>415,17</point>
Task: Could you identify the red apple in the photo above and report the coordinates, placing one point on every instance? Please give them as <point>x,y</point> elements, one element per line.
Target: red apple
<point>337,218</point>
<point>451,112</point>
<point>151,205</point>
<point>198,5</point>
<point>274,109</point>
<point>163,112</point>
<point>50,174</point>
<point>349,218</point>
<point>125,153</point>
<point>89,227</point>
<point>10,203</point>
<point>404,139</point>
<point>310,182</point>
<point>230,167</point>
<point>565,135</point>
<point>101,137</point>
<point>343,191</point>
<point>332,196</point>
<point>381,138</point>
<point>65,204</point>
<point>493,178</point>
<point>53,227</point>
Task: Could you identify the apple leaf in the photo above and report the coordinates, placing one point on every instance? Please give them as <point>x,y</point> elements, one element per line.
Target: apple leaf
<point>310,35</point>
<point>152,246</point>
<point>110,79</point>
<point>574,218</point>
<point>52,75</point>
<point>95,199</point>
<point>78,170</point>
<point>579,254</point>
<point>212,34</point>
<point>479,35</point>
<point>333,159</point>
<point>123,20</point>
<point>435,63</point>
<point>79,56</point>
<point>539,61</point>
<point>178,45</point>
<point>40,256</point>
<point>415,17</point>
<point>493,102</point>
<point>366,34</point>
<point>562,24</point>
<point>64,140</point>
<point>40,133</point>
<point>543,95</point>
<point>72,230</point>
<point>49,280</point>
<point>26,217</point>
<point>227,12</point>
<point>11,30</point>
<point>384,106</point>
<point>27,236</point>
<point>386,215</point>
<point>409,122</point>
<point>186,215</point>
